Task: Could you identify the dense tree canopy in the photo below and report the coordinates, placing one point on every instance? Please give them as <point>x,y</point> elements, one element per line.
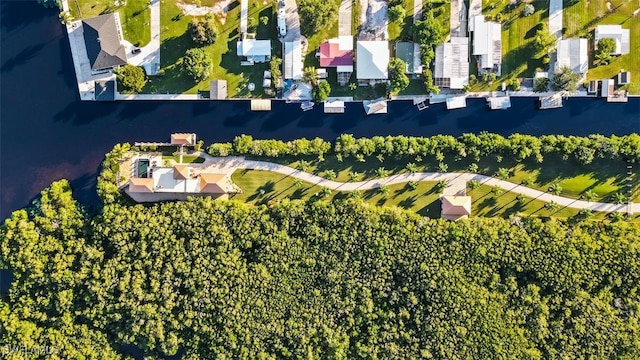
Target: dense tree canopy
<point>203,31</point>
<point>430,33</point>
<point>604,49</point>
<point>315,280</point>
<point>131,78</point>
<point>197,63</point>
<point>398,81</point>
<point>321,91</point>
<point>565,80</point>
<point>316,15</point>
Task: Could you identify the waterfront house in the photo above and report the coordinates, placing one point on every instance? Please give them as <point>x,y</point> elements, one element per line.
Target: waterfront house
<point>338,53</point>
<point>409,53</point>
<point>452,64</point>
<point>618,34</point>
<point>455,207</point>
<point>179,181</point>
<point>372,61</point>
<point>573,54</point>
<point>104,42</point>
<point>487,44</point>
<point>253,51</point>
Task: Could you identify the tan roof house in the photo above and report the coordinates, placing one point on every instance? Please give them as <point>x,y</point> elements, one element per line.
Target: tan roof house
<point>214,183</point>
<point>141,185</point>
<point>455,207</point>
<point>181,172</point>
<point>183,139</point>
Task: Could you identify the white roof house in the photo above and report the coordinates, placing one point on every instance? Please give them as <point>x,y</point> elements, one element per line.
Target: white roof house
<point>452,63</point>
<point>487,43</point>
<point>617,33</point>
<point>293,61</point>
<point>254,50</point>
<point>573,53</point>
<point>372,60</point>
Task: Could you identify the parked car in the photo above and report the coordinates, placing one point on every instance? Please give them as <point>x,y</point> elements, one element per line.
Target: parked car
<point>136,50</point>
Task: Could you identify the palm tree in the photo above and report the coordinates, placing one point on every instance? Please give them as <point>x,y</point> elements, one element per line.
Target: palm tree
<point>381,172</point>
<point>442,167</point>
<point>473,168</point>
<point>617,216</point>
<point>497,190</point>
<point>520,198</point>
<point>354,176</point>
<point>526,181</point>
<point>304,165</point>
<point>586,213</point>
<point>441,185</point>
<point>65,18</point>
<point>619,198</point>
<point>297,183</point>
<point>589,195</point>
<point>354,194</point>
<point>503,173</point>
<point>330,174</point>
<point>551,206</point>
<point>473,184</point>
<point>413,185</point>
<point>325,191</point>
<point>555,189</point>
<point>412,168</point>
<point>384,190</point>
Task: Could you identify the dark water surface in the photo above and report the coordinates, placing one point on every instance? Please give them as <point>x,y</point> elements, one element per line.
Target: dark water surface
<point>48,134</point>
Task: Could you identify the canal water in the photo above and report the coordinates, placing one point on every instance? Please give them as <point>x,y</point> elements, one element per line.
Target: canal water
<point>46,133</point>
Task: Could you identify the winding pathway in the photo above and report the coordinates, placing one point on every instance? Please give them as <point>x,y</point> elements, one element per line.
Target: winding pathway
<point>230,164</point>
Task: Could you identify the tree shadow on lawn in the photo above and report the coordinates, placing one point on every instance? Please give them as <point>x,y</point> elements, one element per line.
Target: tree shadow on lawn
<point>431,210</point>
<point>408,203</point>
<point>172,49</point>
<point>516,57</point>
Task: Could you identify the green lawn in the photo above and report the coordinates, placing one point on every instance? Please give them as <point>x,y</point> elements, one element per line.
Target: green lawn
<point>134,16</point>
<point>603,177</point>
<point>261,187</point>
<point>175,41</point>
<point>488,204</point>
<point>580,19</point>
<point>186,159</point>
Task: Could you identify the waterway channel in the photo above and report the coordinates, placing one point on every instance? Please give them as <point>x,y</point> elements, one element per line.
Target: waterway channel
<point>47,133</point>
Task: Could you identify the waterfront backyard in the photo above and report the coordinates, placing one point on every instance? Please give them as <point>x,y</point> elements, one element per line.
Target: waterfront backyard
<point>582,16</point>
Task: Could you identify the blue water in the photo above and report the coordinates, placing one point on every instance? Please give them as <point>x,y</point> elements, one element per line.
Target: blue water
<point>48,134</point>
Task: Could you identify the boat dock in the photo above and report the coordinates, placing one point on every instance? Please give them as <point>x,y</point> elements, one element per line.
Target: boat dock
<point>550,102</point>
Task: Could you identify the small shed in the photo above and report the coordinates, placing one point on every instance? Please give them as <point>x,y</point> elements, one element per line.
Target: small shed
<point>218,89</point>
<point>607,88</point>
<point>624,77</point>
<point>455,207</point>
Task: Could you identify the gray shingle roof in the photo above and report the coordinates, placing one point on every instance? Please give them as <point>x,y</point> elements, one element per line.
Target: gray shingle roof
<point>103,41</point>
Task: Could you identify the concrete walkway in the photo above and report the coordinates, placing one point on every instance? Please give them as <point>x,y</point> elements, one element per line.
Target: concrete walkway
<point>417,10</point>
<point>293,21</point>
<point>456,182</point>
<point>344,18</point>
<point>555,18</point>
<point>458,19</point>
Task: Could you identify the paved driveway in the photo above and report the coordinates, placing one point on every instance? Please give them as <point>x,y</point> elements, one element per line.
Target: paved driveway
<point>293,21</point>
